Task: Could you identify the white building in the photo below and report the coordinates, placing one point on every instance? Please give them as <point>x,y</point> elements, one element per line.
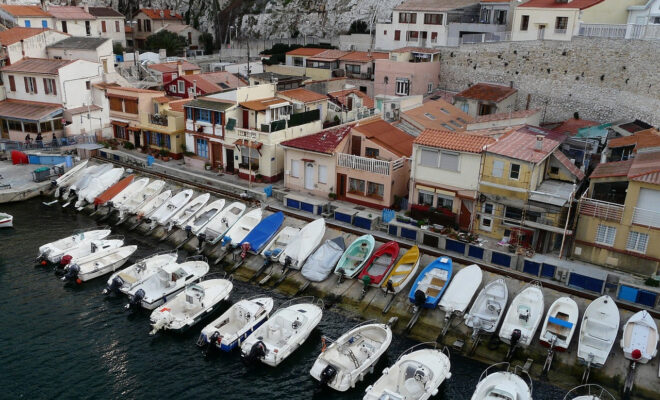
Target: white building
<point>644,20</point>
<point>25,16</point>
<point>111,24</point>
<point>74,20</point>
<point>95,49</point>
<point>19,42</point>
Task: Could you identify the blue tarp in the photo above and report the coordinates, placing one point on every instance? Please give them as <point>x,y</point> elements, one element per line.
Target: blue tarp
<point>560,322</point>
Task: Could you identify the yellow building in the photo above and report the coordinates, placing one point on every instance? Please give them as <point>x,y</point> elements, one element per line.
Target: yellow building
<point>525,189</point>
<point>163,127</point>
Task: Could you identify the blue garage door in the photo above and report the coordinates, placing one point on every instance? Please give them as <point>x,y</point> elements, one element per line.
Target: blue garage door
<point>409,233</point>
<point>585,282</point>
<point>548,271</point>
<point>307,207</point>
<point>532,268</point>
<point>501,259</point>
<point>476,252</point>
<point>453,245</point>
<point>392,230</point>
<point>638,296</point>
<point>343,217</point>
<point>293,203</point>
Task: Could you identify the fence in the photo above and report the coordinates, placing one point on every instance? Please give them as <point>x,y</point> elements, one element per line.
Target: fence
<point>363,164</point>
<point>8,145</point>
<point>620,31</point>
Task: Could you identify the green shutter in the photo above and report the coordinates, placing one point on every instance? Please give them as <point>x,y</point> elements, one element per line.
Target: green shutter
<point>231,123</point>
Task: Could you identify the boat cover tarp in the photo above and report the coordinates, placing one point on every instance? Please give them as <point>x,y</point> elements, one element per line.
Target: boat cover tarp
<point>320,264</point>
<point>264,231</point>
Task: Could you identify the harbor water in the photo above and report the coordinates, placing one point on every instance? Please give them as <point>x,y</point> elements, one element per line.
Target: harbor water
<point>69,341</point>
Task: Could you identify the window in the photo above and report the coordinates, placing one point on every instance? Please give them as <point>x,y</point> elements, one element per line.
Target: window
<point>605,235</point>
<point>120,132</point>
<point>103,26</point>
<point>656,20</point>
<point>515,171</point>
<point>182,86</point>
<point>14,125</point>
<point>498,168</point>
<point>500,17</point>
<point>131,106</point>
<point>64,27</point>
<point>445,202</point>
<point>465,107</point>
<point>432,19</point>
<point>434,37</point>
<point>486,109</point>
<point>298,61</point>
<point>44,23</point>
<point>429,88</point>
<point>46,126</point>
<point>412,36</point>
<point>139,25</point>
<point>561,24</point>
<point>295,168</point>
<point>375,190</point>
<point>323,173</point>
<point>356,186</point>
<point>352,69</point>
<point>371,152</point>
<point>88,85</point>
<point>448,127</point>
<point>88,28</point>
<point>30,85</point>
<point>486,222</point>
<point>407,18</point>
<point>204,115</point>
<point>484,18</point>
<point>429,116</point>
<point>397,35</point>
<point>116,104</point>
<point>202,148</point>
<point>425,198</point>
<point>513,213</point>
<point>12,83</point>
<point>30,127</point>
<point>524,23</point>
<point>28,24</point>
<point>637,242</point>
<point>402,87</point>
<point>117,27</point>
<point>147,25</point>
<point>429,158</point>
<point>554,170</point>
<point>173,88</point>
<point>49,86</point>
<point>449,161</point>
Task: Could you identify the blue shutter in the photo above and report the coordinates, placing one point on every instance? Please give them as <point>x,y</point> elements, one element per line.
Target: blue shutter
<point>167,142</point>
<point>218,117</point>
<point>27,23</point>
<point>44,23</point>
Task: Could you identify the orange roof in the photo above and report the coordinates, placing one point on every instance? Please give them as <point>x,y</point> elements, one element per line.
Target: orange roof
<point>561,157</point>
<point>24,11</point>
<point>304,95</point>
<point>25,109</point>
<point>70,13</point>
<point>487,92</point>
<point>177,105</point>
<point>201,82</point>
<point>262,104</point>
<point>16,34</point>
<point>340,96</point>
<point>386,135</point>
<point>37,66</point>
<point>172,66</point>
<point>645,167</point>
<point>364,56</point>
<point>439,115</point>
<point>453,141</point>
<point>572,126</point>
<point>154,13</point>
<point>329,55</point>
<point>611,169</point>
<point>641,139</point>
<point>521,144</point>
<point>579,4</point>
<point>305,51</point>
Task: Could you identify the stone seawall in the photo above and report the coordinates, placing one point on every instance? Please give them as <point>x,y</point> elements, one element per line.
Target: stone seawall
<point>602,79</point>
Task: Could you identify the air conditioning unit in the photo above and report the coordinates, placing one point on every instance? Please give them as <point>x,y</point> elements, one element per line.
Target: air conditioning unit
<point>388,115</point>
<point>561,275</point>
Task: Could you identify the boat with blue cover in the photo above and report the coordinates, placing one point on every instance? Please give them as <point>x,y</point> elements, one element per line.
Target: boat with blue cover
<point>431,283</point>
<point>355,256</point>
<point>262,233</point>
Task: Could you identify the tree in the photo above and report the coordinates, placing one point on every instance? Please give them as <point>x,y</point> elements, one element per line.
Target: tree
<point>170,41</point>
<point>118,49</point>
<point>358,26</point>
<point>206,41</point>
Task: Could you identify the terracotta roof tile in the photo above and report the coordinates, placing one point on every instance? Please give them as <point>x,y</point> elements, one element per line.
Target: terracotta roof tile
<point>177,105</point>
<point>262,104</point>
<point>364,56</point>
<point>154,13</point>
<point>457,141</point>
<point>16,34</point>
<point>105,12</point>
<point>561,157</point>
<point>521,144</point>
<point>642,139</point>
<point>487,92</point>
<point>645,167</point>
<point>579,4</point>
<point>439,115</point>
<point>69,12</point>
<point>305,51</point>
<point>329,55</point>
<point>201,82</point>
<point>386,135</point>
<point>30,110</point>
<point>612,169</point>
<point>172,66</point>
<point>340,97</point>
<point>37,66</point>
<point>572,126</point>
<point>325,141</point>
<point>24,11</point>
<point>304,95</point>
<point>505,115</point>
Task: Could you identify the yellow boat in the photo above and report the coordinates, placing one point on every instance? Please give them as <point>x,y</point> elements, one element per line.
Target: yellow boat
<point>403,271</point>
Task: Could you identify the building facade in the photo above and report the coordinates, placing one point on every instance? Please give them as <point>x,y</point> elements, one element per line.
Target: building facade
<point>409,71</point>
<point>485,99</point>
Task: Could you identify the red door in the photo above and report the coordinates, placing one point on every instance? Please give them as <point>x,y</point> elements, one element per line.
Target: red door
<point>246,119</point>
<point>465,217</point>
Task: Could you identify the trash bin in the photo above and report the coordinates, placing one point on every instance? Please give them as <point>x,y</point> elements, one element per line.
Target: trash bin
<point>41,174</point>
<point>150,161</point>
<point>268,190</point>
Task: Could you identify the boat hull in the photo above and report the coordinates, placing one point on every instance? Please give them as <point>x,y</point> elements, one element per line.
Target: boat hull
<point>432,281</point>
<point>376,269</point>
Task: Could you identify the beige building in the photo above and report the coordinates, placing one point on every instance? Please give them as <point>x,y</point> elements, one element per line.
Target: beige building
<point>18,43</point>
<point>150,21</point>
<point>485,99</point>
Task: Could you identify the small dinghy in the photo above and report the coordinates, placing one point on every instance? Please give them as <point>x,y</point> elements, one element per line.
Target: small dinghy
<point>89,247</point>
<point>175,203</point>
<point>589,392</point>
<point>560,324</point>
<point>97,186</point>
<point>488,308</point>
<point>215,230</point>
<point>242,227</point>
<point>379,264</point>
<point>168,280</point>
<point>6,220</point>
<point>500,381</point>
<point>131,190</point>
<point>431,283</point>
<point>85,179</point>
<point>460,291</point>
<point>149,207</point>
<point>68,178</point>
<point>140,198</point>
<point>351,357</point>
<point>97,264</point>
<point>275,247</point>
<point>237,323</point>
<point>416,374</point>
<point>54,251</point>
<point>262,233</point>
<point>523,317</point>
<point>188,211</point>
<point>403,271</point>
<point>355,256</point>
<point>320,264</point>
<point>205,215</point>
<point>600,325</point>
<point>308,239</point>
<point>191,305</point>
<point>125,279</point>
<point>640,338</point>
<point>113,191</point>
<point>285,331</point>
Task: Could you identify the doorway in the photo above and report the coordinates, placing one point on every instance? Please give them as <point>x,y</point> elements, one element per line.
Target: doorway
<point>246,119</point>
<point>230,161</point>
<point>465,217</point>
<point>136,137</point>
<point>309,176</point>
<point>216,154</point>
<point>541,32</point>
<point>356,145</point>
<point>341,186</point>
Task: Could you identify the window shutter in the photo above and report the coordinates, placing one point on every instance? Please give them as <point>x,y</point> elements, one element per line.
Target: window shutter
<point>54,87</point>
<point>34,84</point>
<point>103,26</point>
<point>45,86</point>
<point>27,90</point>
<point>12,83</point>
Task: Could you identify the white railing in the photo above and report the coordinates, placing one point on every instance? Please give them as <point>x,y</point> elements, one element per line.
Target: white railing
<point>601,209</point>
<point>363,164</point>
<point>560,31</point>
<point>645,217</point>
<point>396,164</point>
<point>621,31</point>
<point>473,38</point>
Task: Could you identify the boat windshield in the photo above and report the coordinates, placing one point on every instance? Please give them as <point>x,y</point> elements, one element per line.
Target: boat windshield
<point>500,395</point>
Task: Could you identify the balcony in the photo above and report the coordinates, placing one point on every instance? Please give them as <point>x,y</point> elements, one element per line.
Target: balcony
<point>601,209</point>
<point>202,127</point>
<point>369,164</point>
<point>645,217</point>
<point>158,119</point>
<point>559,31</point>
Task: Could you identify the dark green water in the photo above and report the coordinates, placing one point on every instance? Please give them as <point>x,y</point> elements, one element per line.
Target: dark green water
<point>70,342</point>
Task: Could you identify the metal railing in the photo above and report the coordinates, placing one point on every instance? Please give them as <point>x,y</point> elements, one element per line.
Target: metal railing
<point>560,31</point>
<point>473,38</point>
<point>645,217</point>
<point>364,164</point>
<point>601,209</point>
<point>620,31</point>
<point>158,119</point>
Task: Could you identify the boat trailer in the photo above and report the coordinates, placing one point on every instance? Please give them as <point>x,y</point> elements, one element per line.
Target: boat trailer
<point>417,308</point>
<point>630,380</point>
<point>550,356</point>
<point>389,288</point>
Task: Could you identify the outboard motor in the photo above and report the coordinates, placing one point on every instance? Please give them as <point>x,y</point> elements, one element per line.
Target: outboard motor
<point>258,350</point>
<point>135,300</point>
<point>515,337</point>
<point>389,286</point>
<point>201,238</point>
<point>226,240</point>
<point>245,247</point>
<point>214,341</point>
<point>71,273</point>
<point>65,260</point>
<point>287,261</point>
<point>110,204</point>
<point>188,230</point>
<point>114,286</point>
<point>94,246</point>
<point>420,298</point>
<point>327,375</point>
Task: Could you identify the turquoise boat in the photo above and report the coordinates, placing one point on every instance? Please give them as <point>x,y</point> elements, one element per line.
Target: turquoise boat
<point>355,256</point>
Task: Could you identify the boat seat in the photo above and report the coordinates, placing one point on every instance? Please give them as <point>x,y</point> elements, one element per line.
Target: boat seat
<point>438,282</point>
<point>523,312</point>
<point>494,307</point>
<point>127,278</point>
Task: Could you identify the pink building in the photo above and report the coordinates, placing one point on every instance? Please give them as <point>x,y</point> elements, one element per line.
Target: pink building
<point>409,71</point>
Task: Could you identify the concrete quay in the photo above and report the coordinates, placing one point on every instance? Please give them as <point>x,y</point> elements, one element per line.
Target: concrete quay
<point>16,182</point>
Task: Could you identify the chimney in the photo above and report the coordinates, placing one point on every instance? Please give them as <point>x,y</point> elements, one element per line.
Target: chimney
<point>194,88</point>
<point>539,143</point>
<point>179,68</point>
<point>86,7</point>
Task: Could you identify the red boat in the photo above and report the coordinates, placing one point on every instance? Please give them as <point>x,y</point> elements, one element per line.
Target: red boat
<point>380,263</point>
<point>113,190</point>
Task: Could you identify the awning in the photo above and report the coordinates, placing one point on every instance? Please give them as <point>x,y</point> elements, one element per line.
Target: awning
<point>133,128</point>
<point>548,228</point>
<point>118,123</point>
<point>247,143</point>
<point>29,110</point>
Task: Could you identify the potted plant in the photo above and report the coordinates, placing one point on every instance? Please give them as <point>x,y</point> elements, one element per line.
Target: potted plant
<point>332,196</point>
<point>207,166</point>
<point>258,178</point>
<point>164,155</point>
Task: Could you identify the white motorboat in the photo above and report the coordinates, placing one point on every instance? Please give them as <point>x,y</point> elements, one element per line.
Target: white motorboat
<point>128,277</point>
<point>500,381</point>
<point>132,189</point>
<point>560,324</point>
<point>133,204</point>
<point>308,239</point>
<point>89,247</point>
<point>351,357</point>
<point>188,211</point>
<point>640,338</point>
<point>460,291</point>
<point>218,226</point>
<point>190,306</point>
<point>97,264</point>
<point>85,178</point>
<point>6,220</point>
<point>274,248</point>
<point>589,392</point>
<point>166,211</point>
<point>54,251</point>
<point>168,280</point>
<point>600,325</point>
<point>242,227</point>
<point>283,333</point>
<point>68,178</point>
<point>230,329</point>
<point>204,216</point>
<point>488,308</point>
<point>145,210</point>
<point>98,185</point>
<point>416,374</point>
<point>524,316</point>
